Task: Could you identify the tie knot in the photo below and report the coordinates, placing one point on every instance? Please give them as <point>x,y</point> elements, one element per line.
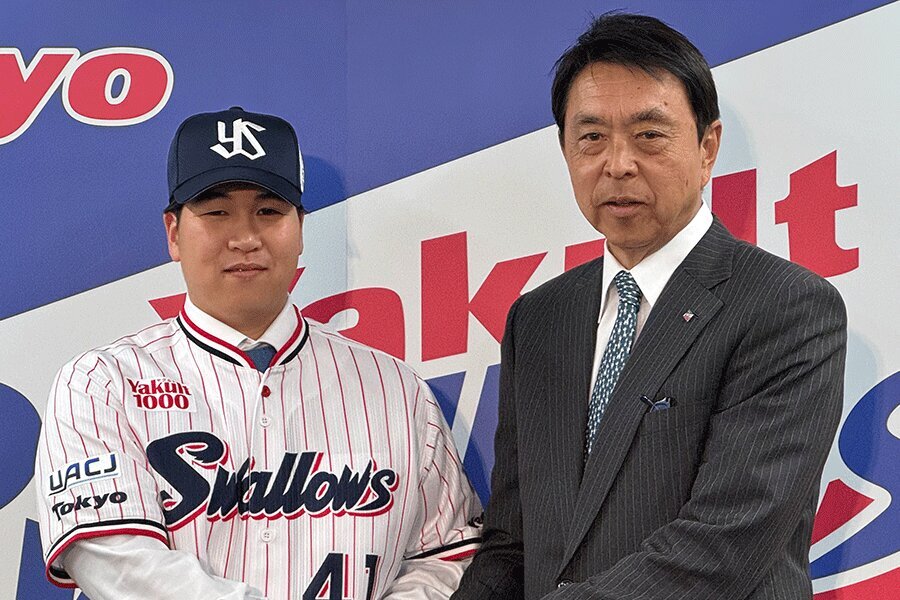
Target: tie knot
<point>628,289</point>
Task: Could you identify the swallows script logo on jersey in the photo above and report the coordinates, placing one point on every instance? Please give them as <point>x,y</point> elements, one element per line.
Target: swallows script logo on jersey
<point>241,130</point>
<point>83,471</point>
<point>298,487</point>
<point>161,394</point>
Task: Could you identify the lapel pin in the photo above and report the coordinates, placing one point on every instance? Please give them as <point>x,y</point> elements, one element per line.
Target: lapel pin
<point>687,316</point>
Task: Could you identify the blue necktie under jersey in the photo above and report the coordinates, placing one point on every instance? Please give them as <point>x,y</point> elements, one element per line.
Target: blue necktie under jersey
<point>261,356</point>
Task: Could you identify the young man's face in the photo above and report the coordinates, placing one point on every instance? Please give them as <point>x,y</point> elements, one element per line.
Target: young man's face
<point>238,246</point>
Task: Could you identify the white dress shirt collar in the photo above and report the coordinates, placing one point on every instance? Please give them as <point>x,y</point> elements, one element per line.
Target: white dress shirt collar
<point>277,335</point>
<point>653,273</point>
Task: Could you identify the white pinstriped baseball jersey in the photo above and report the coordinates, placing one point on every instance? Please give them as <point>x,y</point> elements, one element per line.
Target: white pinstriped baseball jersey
<point>314,479</point>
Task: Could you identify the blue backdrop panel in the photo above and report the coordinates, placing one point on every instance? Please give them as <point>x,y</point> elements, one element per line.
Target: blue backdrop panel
<point>378,91</point>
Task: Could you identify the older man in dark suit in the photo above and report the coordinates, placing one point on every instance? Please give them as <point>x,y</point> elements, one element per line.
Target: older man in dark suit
<point>666,410</point>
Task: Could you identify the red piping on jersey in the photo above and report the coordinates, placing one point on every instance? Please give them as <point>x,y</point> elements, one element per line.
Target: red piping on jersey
<point>460,556</point>
<point>297,331</point>
<point>210,337</point>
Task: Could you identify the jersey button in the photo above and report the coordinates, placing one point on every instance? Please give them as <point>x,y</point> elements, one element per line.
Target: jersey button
<point>266,535</point>
<point>266,391</point>
<point>265,421</point>
<point>564,583</point>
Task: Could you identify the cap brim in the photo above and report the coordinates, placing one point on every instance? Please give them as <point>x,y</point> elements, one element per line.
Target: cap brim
<point>196,185</point>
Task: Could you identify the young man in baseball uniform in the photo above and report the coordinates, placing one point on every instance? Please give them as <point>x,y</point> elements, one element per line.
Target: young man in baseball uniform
<point>238,450</point>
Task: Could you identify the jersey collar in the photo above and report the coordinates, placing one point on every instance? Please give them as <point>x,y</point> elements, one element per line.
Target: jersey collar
<point>287,333</point>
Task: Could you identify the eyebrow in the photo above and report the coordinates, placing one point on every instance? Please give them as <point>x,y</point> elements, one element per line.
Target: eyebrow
<point>207,196</point>
<point>222,192</point>
<point>584,119</point>
<point>650,115</point>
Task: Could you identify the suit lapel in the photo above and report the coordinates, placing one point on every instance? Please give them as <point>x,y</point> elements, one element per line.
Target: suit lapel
<point>664,340</point>
<point>571,351</point>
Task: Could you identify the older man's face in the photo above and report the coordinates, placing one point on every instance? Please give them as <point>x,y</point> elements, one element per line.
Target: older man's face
<point>630,142</point>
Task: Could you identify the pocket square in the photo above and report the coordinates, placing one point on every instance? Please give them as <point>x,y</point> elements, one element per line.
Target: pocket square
<point>658,405</point>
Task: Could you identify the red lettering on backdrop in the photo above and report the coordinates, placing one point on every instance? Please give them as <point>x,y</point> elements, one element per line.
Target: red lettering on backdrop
<point>734,202</point>
<point>879,586</point>
<point>578,254</point>
<point>168,306</point>
<point>809,211</point>
<point>27,89</point>
<point>445,295</point>
<point>118,86</point>
<point>445,288</point>
<point>380,324</point>
<point>111,86</point>
<point>839,504</point>
<point>500,289</point>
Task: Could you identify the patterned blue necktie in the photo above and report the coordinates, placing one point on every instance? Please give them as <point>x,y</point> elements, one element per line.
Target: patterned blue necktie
<point>261,356</point>
<point>616,353</point>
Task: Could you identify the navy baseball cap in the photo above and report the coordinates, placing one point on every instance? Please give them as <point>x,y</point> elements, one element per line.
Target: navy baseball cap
<point>234,146</point>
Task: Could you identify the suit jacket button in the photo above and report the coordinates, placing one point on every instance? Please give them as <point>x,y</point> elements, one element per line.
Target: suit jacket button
<point>563,583</point>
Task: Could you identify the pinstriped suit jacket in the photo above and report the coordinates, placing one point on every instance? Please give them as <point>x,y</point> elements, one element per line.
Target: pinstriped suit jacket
<point>713,498</point>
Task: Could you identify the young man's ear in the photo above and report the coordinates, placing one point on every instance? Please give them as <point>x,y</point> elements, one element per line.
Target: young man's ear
<point>170,220</point>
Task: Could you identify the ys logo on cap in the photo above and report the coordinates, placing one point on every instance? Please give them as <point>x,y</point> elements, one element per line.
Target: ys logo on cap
<point>241,130</point>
